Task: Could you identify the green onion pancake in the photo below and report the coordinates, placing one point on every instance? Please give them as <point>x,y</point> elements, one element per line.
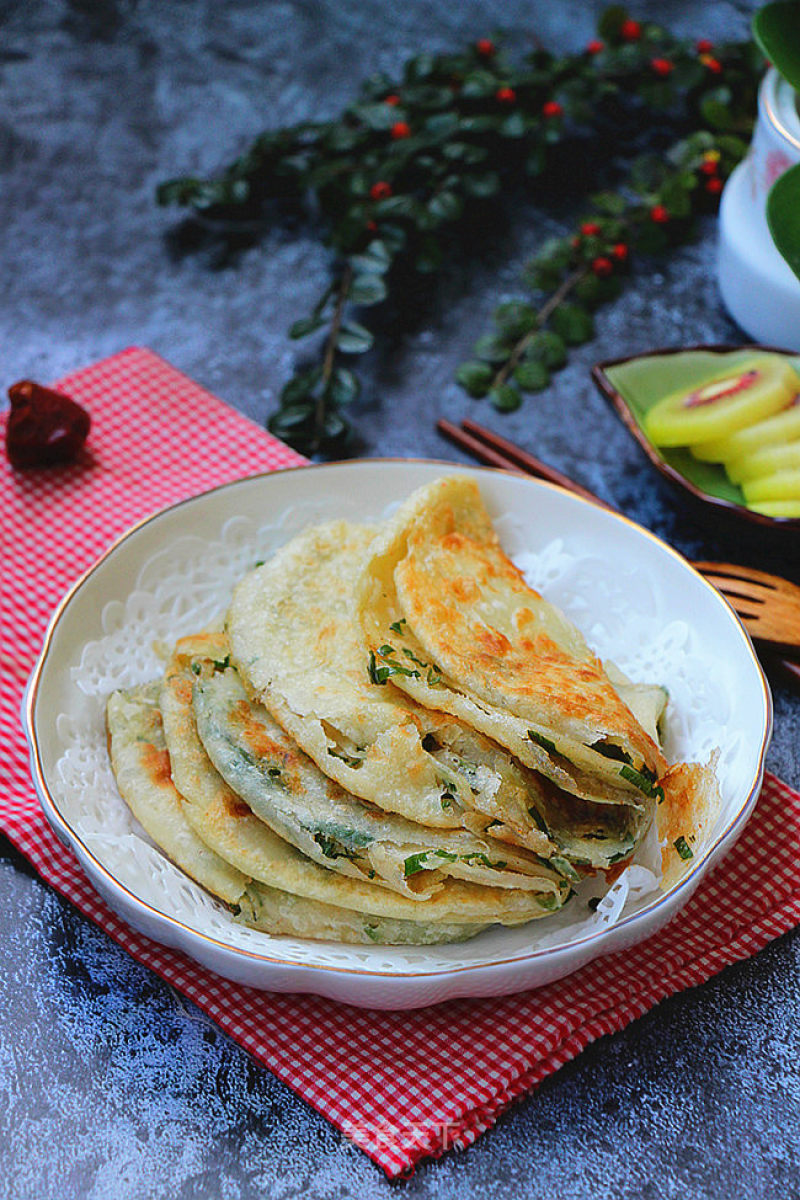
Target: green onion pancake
<point>286,789</point>
<point>299,651</point>
<point>141,764</point>
<point>498,655</point>
<point>224,822</point>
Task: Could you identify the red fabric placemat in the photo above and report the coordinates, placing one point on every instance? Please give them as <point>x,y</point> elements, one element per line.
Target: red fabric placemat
<point>401,1085</point>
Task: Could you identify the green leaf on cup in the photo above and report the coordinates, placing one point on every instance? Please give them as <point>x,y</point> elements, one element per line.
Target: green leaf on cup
<point>776,28</point>
<point>783,215</point>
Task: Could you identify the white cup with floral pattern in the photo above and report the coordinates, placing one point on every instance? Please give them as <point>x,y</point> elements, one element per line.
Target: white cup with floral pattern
<point>758,288</point>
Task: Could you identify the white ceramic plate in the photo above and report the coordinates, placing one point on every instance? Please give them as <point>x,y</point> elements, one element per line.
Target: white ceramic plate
<point>636,600</point>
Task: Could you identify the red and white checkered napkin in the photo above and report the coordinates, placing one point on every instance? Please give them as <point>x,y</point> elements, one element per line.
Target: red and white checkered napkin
<point>401,1085</point>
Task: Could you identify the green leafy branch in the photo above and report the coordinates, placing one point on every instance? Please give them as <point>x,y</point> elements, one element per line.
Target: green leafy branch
<point>574,275</point>
<point>418,162</point>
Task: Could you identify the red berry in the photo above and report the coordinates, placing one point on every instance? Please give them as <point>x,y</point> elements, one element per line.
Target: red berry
<point>595,46</point>
<point>576,241</point>
<point>590,229</point>
<point>505,95</point>
<point>620,252</point>
<point>394,100</point>
<point>708,166</point>
<point>372,226</point>
<point>704,46</point>
<point>400,129</point>
<point>630,31</point>
<point>714,186</point>
<point>713,64</point>
<point>552,109</point>
<point>485,47</point>
<point>44,427</point>
<point>659,214</point>
<point>602,266</point>
<point>380,190</point>
<point>662,66</point>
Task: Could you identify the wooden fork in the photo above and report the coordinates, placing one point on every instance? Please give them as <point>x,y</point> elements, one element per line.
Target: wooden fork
<point>767,605</point>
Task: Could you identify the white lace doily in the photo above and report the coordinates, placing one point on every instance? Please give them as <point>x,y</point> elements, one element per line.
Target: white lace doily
<point>187,584</point>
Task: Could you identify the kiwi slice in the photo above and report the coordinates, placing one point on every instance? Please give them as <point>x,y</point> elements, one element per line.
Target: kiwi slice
<point>765,461</point>
<point>722,406</point>
<point>784,426</point>
<point>781,485</point>
<point>776,508</point>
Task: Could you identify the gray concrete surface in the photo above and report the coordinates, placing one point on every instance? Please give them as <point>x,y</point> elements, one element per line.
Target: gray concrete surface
<point>111,1086</point>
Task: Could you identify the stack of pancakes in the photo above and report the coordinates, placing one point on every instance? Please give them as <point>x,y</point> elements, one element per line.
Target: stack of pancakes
<point>395,739</point>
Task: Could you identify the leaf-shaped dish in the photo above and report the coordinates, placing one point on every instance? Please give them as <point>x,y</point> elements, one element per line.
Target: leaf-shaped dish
<point>633,385</point>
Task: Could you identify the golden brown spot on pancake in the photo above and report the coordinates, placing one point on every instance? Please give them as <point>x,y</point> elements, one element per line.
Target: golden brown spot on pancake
<point>257,738</point>
<point>677,814</point>
<point>182,689</point>
<point>491,641</point>
<point>464,588</point>
<point>156,765</point>
<point>234,807</point>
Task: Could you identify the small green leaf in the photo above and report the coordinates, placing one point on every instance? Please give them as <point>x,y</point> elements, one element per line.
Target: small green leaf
<point>465,153</point>
<point>479,84</point>
<point>420,67</point>
<point>514,319</point>
<point>493,349</point>
<point>674,195</point>
<point>367,289</point>
<point>483,185</point>
<point>573,324</point>
<point>505,398</point>
<point>441,125</point>
<point>393,237</point>
<point>299,387</point>
<point>344,386</point>
<point>288,419</point>
<point>396,206</point>
<point>783,216</point>
<point>342,138</point>
<point>178,191</point>
<point>354,338</point>
<point>513,126</point>
<point>776,28</point>
<point>588,291</point>
<point>375,116</point>
<point>715,107</point>
<point>476,378</point>
<point>304,327</point>
<point>480,124</point>
<point>446,206</point>
<point>532,376</point>
<point>611,204</point>
<point>335,426</point>
<point>375,259</point>
<point>546,347</point>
